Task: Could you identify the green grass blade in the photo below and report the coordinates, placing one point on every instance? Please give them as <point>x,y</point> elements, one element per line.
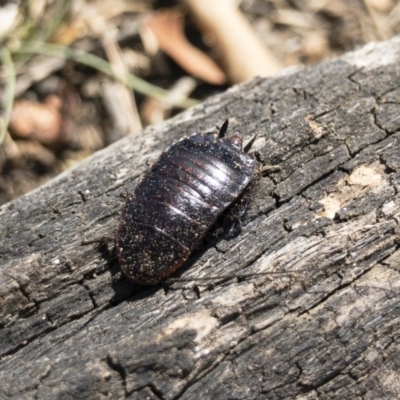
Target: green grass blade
<point>137,84</point>
<point>9,89</point>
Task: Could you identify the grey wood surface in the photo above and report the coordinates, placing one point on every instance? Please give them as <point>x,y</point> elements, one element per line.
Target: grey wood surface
<point>324,320</point>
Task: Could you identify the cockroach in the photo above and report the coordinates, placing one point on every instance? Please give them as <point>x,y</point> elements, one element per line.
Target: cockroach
<point>178,200</point>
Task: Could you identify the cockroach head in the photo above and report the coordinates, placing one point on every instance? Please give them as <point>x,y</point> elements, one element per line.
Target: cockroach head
<point>235,141</point>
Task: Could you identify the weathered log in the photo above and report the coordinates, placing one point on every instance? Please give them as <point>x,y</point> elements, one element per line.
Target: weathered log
<point>324,321</point>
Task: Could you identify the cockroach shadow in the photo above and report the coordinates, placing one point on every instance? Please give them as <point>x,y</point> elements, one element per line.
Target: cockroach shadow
<point>123,288</point>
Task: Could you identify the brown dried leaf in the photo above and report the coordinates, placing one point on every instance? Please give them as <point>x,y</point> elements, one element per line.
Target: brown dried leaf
<point>383,6</point>
<point>241,50</point>
<point>168,28</point>
<point>40,121</point>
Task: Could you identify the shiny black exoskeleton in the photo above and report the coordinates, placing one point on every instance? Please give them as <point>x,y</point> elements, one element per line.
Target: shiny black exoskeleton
<point>177,202</point>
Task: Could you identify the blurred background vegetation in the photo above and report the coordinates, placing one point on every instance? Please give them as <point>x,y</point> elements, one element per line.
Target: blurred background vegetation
<point>77,75</point>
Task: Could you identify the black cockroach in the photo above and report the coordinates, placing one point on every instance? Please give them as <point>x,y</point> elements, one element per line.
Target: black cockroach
<point>178,200</point>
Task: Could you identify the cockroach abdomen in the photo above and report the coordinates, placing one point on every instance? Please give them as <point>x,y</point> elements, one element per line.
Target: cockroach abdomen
<point>177,202</point>
<point>146,253</point>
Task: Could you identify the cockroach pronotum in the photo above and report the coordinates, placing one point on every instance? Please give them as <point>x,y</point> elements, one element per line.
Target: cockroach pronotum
<point>177,202</point>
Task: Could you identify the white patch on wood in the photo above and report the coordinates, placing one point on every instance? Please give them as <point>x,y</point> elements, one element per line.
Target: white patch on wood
<point>317,129</point>
<point>388,209</point>
<point>372,288</point>
<point>122,172</point>
<point>359,182</point>
<point>331,207</point>
<point>294,256</point>
<point>389,381</point>
<point>375,55</point>
<point>202,322</point>
<point>234,295</point>
<point>365,176</point>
